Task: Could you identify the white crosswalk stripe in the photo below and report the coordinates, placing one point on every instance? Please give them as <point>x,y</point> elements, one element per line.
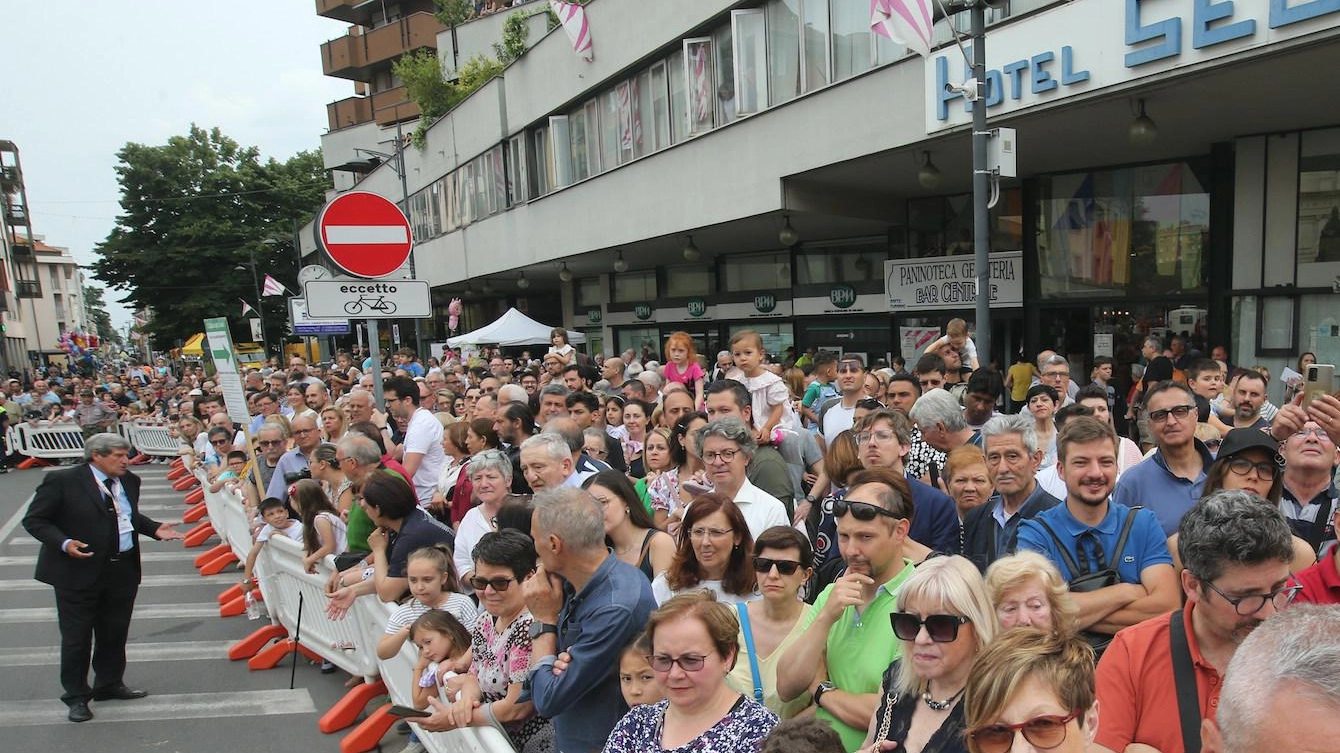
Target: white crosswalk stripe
<point>167,707</point>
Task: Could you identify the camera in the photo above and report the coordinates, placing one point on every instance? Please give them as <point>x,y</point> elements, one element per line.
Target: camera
<point>296,476</point>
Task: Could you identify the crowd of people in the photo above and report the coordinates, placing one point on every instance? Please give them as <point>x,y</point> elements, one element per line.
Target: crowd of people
<point>743,554</point>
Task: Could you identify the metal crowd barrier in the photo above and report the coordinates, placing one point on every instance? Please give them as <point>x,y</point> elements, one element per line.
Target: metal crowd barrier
<point>151,437</point>
<point>46,441</point>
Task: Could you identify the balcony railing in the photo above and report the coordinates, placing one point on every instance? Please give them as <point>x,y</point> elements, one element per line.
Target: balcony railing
<point>393,106</point>
<point>353,56</point>
<point>349,112</point>
<point>28,289</point>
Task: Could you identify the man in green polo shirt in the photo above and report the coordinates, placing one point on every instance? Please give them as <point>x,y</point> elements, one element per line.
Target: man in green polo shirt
<point>848,641</point>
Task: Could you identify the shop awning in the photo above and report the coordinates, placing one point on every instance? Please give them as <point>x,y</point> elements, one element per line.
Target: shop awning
<point>194,346</point>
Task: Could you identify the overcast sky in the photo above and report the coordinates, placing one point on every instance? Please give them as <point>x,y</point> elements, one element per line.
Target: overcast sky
<point>84,78</point>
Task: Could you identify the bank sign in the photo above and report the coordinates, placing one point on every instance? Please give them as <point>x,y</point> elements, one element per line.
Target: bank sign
<point>1089,45</point>
<point>950,282</point>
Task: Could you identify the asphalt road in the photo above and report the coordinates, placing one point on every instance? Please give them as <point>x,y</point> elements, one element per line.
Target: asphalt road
<point>199,700</point>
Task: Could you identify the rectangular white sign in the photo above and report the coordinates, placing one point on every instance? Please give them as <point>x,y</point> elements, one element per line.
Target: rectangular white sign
<point>369,299</point>
<point>950,282</point>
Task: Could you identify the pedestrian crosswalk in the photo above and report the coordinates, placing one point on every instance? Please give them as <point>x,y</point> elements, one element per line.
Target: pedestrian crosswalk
<point>177,651</point>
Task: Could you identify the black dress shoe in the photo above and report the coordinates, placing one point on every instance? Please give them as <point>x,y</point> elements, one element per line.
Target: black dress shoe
<point>119,693</point>
<point>79,712</point>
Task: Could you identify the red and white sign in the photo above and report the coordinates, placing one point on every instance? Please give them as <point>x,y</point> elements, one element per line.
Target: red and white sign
<point>364,234</point>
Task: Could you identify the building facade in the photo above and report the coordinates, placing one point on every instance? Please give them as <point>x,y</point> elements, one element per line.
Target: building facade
<point>776,166</point>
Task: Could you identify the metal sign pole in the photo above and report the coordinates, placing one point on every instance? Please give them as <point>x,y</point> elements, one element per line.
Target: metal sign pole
<point>375,350</point>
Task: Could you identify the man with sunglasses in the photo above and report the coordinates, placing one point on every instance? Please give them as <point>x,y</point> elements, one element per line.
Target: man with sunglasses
<point>1170,481</point>
<point>848,639</point>
<point>306,437</point>
<point>1236,553</point>
<point>1087,529</point>
<point>837,414</point>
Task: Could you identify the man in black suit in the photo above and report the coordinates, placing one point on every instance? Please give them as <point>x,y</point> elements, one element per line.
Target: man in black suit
<point>87,520</point>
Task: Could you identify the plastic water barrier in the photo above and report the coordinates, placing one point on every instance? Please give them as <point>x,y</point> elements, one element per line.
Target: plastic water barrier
<point>46,441</point>
<point>152,438</point>
<point>229,517</point>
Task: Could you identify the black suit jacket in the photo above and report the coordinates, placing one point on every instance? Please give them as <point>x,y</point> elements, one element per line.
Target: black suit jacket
<point>69,505</point>
<point>979,527</point>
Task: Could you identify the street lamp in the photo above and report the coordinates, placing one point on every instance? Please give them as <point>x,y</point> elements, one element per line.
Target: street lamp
<point>260,305</point>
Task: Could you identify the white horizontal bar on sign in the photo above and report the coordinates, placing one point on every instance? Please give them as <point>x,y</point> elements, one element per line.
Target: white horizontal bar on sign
<point>341,234</point>
<point>166,707</point>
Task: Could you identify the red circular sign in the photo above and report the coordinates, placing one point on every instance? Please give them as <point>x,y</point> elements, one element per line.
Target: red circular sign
<point>365,234</point>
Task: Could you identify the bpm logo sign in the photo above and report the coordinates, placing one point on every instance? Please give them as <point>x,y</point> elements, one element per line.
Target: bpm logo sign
<point>697,307</point>
<point>642,311</point>
<point>842,296</point>
<point>765,303</point>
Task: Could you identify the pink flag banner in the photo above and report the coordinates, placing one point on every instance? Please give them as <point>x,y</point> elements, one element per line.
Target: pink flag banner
<point>272,287</point>
<point>573,18</point>
<point>246,307</point>
<point>909,22</point>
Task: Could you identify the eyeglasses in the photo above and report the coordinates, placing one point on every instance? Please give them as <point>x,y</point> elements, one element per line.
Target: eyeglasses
<point>709,533</point>
<point>268,442</point>
<point>724,456</point>
<point>1243,466</point>
<point>221,440</point>
<point>861,510</point>
<point>596,453</point>
<point>850,367</point>
<point>785,567</point>
<point>301,432</point>
<point>879,435</point>
<point>497,584</point>
<point>1055,374</point>
<point>1320,433</point>
<point>687,662</point>
<point>1250,604</point>
<point>1044,732</point>
<point>942,628</point>
<point>1178,412</point>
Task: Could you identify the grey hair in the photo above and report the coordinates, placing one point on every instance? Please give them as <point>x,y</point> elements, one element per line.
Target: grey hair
<point>553,444</point>
<point>593,432</point>
<point>491,460</point>
<point>512,393</point>
<point>939,407</point>
<point>554,389</point>
<point>1056,360</point>
<point>568,429</point>
<point>733,429</point>
<point>219,431</point>
<point>651,379</point>
<point>363,450</point>
<point>1232,526</point>
<point>1154,341</point>
<point>104,444</point>
<point>273,426</point>
<point>1298,648</point>
<point>1013,423</point>
<point>572,515</point>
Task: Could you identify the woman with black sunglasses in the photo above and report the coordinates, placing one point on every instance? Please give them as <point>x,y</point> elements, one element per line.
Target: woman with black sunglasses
<point>782,561</point>
<point>943,620</point>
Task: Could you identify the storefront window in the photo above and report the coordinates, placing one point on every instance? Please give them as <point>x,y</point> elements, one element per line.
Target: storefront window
<point>855,261</point>
<point>637,340</point>
<point>1319,208</point>
<point>688,281</point>
<point>635,287</point>
<point>942,225</point>
<point>588,292</point>
<point>777,337</point>
<point>1131,231</point>
<point>757,272</point>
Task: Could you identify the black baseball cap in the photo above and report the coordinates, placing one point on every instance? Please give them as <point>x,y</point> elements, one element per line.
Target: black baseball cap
<point>1239,440</point>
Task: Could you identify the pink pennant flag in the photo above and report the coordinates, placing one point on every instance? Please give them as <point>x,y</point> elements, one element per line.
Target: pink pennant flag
<point>272,287</point>
<point>909,22</point>
<point>246,307</point>
<point>573,18</point>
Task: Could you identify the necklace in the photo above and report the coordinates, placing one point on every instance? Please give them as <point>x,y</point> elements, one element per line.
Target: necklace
<point>941,705</point>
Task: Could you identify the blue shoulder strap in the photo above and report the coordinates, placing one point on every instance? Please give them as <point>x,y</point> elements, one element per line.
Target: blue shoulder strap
<point>743,609</point>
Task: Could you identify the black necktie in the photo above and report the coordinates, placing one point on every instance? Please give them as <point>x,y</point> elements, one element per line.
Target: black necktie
<point>109,495</point>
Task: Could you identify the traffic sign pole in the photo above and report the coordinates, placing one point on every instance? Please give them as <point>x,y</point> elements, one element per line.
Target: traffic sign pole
<point>375,350</point>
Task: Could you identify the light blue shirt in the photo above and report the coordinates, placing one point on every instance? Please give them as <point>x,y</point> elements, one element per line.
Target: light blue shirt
<point>122,508</point>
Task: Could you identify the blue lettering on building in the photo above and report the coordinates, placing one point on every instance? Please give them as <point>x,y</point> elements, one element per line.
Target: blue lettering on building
<point>1038,72</point>
<point>1212,23</point>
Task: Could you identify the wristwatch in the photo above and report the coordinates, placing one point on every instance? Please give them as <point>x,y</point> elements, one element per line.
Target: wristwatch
<point>811,498</point>
<point>823,687</point>
<point>538,629</point>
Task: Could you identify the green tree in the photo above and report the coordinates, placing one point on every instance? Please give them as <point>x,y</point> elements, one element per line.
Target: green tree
<point>428,88</point>
<point>453,12</point>
<point>514,33</point>
<point>99,321</point>
<point>193,211</point>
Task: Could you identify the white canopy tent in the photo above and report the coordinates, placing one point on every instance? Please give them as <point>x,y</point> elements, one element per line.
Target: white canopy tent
<point>512,328</point>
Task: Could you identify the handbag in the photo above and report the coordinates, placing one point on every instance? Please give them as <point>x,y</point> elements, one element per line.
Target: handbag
<point>1086,578</point>
<point>743,609</point>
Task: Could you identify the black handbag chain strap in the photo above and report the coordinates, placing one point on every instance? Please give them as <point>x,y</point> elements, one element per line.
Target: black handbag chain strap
<point>1075,570</point>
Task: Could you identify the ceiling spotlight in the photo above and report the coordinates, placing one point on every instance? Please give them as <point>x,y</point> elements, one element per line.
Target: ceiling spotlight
<point>564,273</point>
<point>788,235</point>
<point>522,282</point>
<point>928,175</point>
<point>619,264</point>
<point>1143,131</point>
<point>691,252</point>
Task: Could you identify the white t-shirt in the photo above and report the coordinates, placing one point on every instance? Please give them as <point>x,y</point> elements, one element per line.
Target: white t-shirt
<point>293,531</point>
<point>340,530</point>
<point>765,390</point>
<point>460,606</point>
<point>473,527</point>
<point>424,436</point>
<point>837,419</point>
<point>760,509</point>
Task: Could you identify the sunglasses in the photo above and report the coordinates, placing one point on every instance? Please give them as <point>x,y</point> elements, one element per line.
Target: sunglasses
<point>942,628</point>
<point>785,567</point>
<point>498,584</point>
<point>863,511</point>
<point>1044,732</point>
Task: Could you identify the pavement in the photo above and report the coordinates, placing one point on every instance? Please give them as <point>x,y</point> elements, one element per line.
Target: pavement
<point>199,700</point>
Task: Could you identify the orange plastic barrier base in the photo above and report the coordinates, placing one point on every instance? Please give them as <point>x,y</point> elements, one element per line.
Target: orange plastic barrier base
<point>275,653</point>
<point>369,733</point>
<point>178,464</point>
<point>32,463</point>
<point>178,470</point>
<point>231,592</point>
<point>195,497</point>
<point>346,710</point>
<point>218,551</point>
<point>199,535</point>
<point>195,514</point>
<point>238,605</point>
<point>140,459</point>
<point>183,484</point>
<point>252,644</point>
<point>218,564</point>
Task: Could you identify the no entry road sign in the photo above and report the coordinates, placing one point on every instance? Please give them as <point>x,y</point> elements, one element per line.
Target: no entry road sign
<point>364,234</point>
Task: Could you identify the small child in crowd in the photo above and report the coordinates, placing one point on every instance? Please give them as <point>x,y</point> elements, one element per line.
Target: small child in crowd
<point>323,531</point>
<point>444,653</point>
<point>768,395</point>
<point>637,681</point>
<point>433,586</point>
<point>681,365</point>
<point>956,338</point>
<point>275,514</point>
<point>231,476</point>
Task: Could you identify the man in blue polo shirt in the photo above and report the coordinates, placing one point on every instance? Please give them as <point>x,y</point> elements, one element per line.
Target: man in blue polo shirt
<point>1089,526</point>
<point>1170,481</point>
